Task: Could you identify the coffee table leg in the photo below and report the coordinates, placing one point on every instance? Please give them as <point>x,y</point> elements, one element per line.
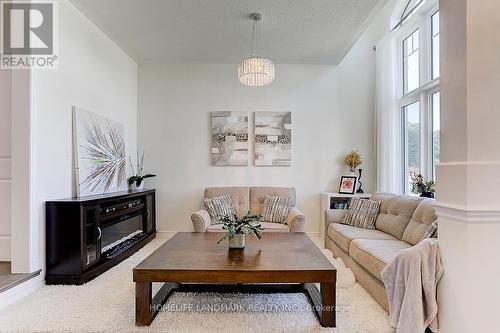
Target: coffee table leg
<point>327,316</point>
<point>143,302</point>
<point>323,301</point>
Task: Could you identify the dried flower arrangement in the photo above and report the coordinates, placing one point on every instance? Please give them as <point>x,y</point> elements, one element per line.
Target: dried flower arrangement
<point>353,160</point>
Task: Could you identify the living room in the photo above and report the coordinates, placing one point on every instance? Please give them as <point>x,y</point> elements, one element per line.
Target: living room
<point>357,127</point>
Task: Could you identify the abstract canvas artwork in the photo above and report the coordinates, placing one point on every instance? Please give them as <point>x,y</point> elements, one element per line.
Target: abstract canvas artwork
<point>273,138</point>
<point>100,154</point>
<point>229,138</point>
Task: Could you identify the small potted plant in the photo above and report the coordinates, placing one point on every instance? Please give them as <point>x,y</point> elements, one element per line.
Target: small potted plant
<point>237,228</point>
<point>353,161</point>
<point>420,186</point>
<point>137,180</point>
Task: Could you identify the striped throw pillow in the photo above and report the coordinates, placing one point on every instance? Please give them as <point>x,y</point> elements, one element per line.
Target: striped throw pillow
<point>362,213</point>
<point>431,231</point>
<point>218,207</point>
<point>276,209</point>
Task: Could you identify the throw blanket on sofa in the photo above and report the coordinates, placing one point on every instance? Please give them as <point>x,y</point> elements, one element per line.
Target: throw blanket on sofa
<point>411,280</point>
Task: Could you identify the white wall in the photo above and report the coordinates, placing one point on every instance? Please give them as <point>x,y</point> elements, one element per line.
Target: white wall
<point>5,163</point>
<point>332,113</point>
<point>93,74</point>
<point>174,125</point>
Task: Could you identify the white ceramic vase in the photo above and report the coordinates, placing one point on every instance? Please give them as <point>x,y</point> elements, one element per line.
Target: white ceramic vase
<point>351,173</point>
<point>236,242</point>
<point>137,188</point>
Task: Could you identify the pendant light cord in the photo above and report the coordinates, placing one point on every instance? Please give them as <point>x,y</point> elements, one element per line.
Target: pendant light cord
<point>253,38</point>
<point>256,45</point>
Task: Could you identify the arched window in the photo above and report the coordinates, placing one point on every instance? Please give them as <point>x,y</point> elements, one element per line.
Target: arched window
<point>418,49</point>
<point>403,10</point>
<point>414,79</point>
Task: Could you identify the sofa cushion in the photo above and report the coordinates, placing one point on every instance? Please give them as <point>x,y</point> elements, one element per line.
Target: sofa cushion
<point>395,212</point>
<point>343,234</point>
<point>423,216</point>
<point>276,209</point>
<point>239,195</point>
<point>259,193</point>
<point>266,226</point>
<point>374,254</point>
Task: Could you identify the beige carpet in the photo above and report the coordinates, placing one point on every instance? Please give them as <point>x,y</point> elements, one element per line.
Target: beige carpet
<point>106,304</point>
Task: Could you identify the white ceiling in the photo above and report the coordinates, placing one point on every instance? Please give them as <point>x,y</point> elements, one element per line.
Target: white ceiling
<point>218,31</point>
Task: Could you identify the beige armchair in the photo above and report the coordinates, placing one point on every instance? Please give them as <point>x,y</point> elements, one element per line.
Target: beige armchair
<point>251,198</point>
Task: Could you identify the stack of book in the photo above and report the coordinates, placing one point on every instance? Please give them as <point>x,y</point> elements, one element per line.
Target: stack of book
<point>340,205</point>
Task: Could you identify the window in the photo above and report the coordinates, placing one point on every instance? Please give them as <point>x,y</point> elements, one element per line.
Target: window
<point>411,67</point>
<point>435,45</point>
<point>419,97</point>
<point>436,131</point>
<point>411,118</point>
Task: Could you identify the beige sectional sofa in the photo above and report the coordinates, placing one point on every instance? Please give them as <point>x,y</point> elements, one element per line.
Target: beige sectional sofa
<point>401,223</point>
<point>250,198</point>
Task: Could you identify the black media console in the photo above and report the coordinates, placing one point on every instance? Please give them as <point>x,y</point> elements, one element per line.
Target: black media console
<point>87,236</point>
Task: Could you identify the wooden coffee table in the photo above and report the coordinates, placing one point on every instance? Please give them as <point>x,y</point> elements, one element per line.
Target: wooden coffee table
<point>284,262</point>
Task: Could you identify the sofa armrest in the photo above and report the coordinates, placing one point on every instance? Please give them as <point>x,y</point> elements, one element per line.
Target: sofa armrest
<point>296,220</point>
<point>201,220</point>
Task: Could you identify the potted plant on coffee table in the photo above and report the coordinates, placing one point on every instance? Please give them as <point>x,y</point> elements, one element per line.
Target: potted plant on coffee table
<point>237,228</point>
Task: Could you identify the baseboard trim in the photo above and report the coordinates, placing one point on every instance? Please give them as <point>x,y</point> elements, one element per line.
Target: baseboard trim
<point>20,291</point>
<point>165,234</point>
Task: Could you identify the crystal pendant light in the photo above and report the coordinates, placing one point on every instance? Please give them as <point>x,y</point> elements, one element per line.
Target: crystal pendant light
<point>256,70</point>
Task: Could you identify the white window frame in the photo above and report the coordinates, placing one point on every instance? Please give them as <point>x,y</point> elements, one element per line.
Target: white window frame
<point>421,20</point>
<point>434,11</point>
<point>430,132</point>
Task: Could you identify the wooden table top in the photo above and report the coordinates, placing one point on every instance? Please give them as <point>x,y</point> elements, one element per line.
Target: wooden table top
<point>187,251</point>
<point>195,260</point>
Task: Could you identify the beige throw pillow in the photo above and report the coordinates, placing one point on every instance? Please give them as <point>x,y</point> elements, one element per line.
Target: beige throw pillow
<point>276,209</point>
<point>431,231</point>
<point>218,207</point>
<point>362,213</point>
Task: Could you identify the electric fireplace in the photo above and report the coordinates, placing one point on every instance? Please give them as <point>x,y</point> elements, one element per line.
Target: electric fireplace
<point>86,236</point>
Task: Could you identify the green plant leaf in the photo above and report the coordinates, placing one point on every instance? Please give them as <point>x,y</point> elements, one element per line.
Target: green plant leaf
<point>248,224</point>
<point>132,180</point>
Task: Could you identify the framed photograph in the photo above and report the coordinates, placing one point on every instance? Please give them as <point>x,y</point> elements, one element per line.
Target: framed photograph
<point>348,184</point>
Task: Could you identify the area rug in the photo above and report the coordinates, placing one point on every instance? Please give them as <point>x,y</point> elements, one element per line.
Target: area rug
<point>106,304</point>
